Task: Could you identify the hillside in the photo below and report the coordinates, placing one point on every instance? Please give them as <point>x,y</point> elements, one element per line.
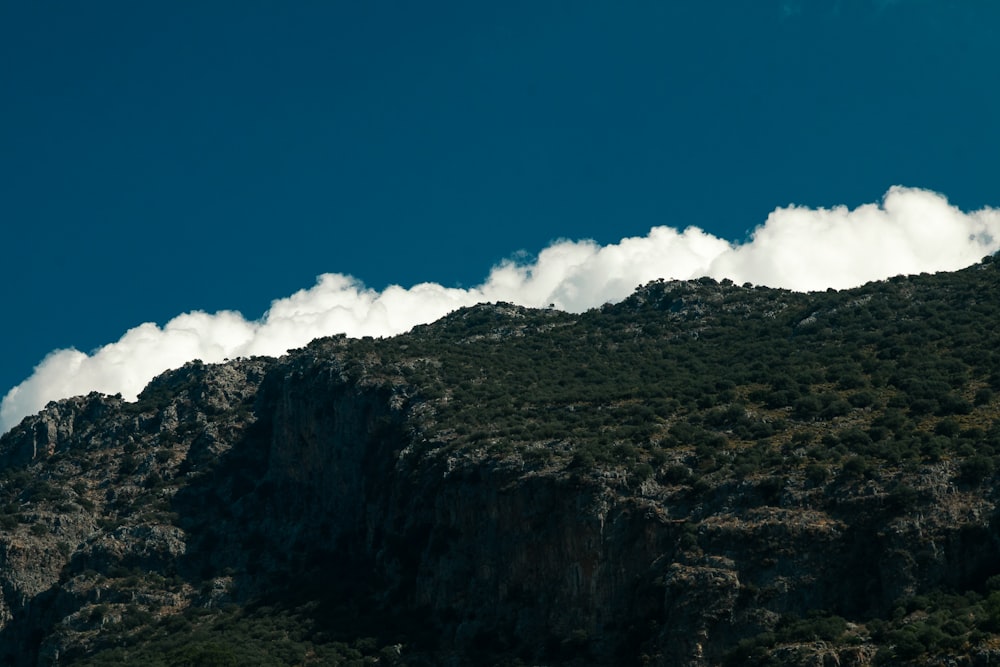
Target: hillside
<point>703,474</point>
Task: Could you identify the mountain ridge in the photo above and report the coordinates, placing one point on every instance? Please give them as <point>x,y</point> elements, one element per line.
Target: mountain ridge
<point>703,473</point>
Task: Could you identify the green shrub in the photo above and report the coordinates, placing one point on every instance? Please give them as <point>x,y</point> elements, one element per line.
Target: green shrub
<point>855,466</point>
<point>976,469</point>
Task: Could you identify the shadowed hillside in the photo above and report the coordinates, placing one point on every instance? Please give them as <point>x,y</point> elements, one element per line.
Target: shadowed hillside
<point>702,474</point>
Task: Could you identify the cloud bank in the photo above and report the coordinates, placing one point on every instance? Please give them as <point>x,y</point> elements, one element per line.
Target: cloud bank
<point>798,248</point>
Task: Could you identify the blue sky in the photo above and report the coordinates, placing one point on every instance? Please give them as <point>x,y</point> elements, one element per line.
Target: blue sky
<point>158,158</point>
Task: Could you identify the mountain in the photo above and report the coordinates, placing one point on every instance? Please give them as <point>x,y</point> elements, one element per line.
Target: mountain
<point>703,474</point>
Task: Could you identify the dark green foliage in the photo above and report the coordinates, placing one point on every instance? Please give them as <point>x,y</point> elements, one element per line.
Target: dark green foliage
<point>817,474</point>
<point>610,394</point>
<point>856,466</point>
<point>936,624</point>
<point>983,396</point>
<point>975,469</point>
<point>816,626</point>
<point>265,637</point>
<point>807,407</point>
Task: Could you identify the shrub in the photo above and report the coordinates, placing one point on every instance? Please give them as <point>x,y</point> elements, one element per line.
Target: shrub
<point>862,399</point>
<point>951,404</point>
<point>947,427</point>
<point>807,407</point>
<point>676,474</point>
<point>835,408</point>
<point>975,469</point>
<point>816,473</point>
<point>855,466</point>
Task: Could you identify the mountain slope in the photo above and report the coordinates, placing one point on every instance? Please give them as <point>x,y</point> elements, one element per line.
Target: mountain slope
<point>702,474</point>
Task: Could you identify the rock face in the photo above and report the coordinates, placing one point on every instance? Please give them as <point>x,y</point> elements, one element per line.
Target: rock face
<point>334,474</point>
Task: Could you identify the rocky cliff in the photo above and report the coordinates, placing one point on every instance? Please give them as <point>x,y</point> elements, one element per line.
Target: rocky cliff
<point>703,474</point>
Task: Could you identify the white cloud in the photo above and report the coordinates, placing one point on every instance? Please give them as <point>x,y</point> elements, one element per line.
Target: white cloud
<point>798,248</point>
<point>911,231</point>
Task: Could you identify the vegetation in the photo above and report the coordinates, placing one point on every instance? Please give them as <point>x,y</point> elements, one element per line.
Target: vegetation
<point>726,379</point>
<point>234,637</point>
<point>692,395</point>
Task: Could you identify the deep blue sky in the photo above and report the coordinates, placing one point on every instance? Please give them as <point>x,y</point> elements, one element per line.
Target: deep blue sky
<point>159,157</point>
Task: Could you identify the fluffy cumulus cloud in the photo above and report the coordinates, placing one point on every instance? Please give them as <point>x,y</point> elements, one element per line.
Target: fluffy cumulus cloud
<point>798,248</point>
